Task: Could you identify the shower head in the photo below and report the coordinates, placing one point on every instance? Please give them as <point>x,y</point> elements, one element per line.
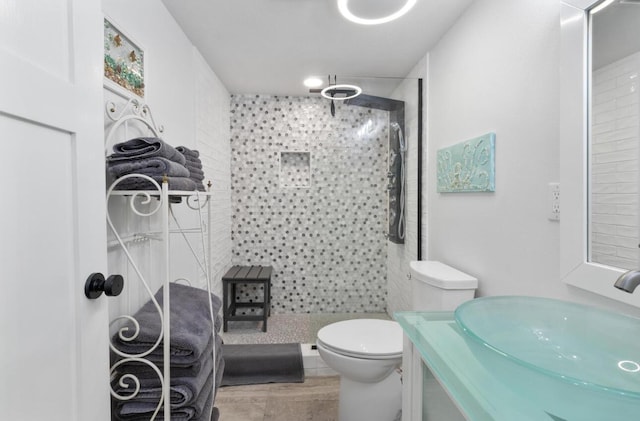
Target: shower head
<point>395,126</point>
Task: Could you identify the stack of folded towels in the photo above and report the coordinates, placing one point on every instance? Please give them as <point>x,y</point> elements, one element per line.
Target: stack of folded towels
<point>194,165</point>
<point>152,157</point>
<point>195,376</point>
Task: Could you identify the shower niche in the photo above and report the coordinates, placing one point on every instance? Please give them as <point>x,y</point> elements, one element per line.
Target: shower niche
<point>295,169</point>
<point>396,162</point>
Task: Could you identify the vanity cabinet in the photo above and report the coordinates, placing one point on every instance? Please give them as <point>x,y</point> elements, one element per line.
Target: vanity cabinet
<point>444,380</point>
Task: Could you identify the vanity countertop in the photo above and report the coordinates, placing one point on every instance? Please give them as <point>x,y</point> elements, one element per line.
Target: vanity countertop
<point>467,379</point>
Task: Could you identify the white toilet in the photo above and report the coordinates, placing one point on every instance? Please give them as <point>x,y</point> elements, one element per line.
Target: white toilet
<point>367,352</point>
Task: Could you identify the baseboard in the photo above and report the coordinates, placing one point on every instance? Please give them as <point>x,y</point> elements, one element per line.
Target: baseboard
<point>314,365</point>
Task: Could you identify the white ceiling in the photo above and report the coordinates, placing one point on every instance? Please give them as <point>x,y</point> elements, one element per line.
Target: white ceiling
<point>271,46</point>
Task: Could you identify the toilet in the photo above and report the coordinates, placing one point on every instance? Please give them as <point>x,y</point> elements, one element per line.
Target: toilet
<point>438,287</point>
<point>367,353</point>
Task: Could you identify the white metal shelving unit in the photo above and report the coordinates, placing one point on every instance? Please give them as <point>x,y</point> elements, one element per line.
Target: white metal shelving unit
<point>147,204</point>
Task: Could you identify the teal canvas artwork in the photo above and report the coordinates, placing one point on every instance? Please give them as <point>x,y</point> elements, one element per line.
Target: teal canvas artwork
<point>468,166</point>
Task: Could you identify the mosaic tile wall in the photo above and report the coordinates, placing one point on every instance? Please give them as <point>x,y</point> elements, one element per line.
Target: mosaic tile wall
<point>295,169</point>
<point>325,241</point>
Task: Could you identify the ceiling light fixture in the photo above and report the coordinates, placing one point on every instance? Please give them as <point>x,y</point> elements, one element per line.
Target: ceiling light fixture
<point>341,92</point>
<point>313,82</point>
<point>343,6</point>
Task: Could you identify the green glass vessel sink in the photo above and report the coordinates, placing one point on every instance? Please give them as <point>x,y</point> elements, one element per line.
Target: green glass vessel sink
<point>576,361</point>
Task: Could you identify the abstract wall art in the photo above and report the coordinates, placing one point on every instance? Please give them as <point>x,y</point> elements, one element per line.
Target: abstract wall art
<point>467,166</point>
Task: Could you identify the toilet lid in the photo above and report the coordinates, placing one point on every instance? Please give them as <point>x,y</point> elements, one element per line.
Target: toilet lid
<point>363,337</point>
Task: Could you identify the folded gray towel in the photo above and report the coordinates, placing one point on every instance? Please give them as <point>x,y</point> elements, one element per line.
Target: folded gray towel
<point>200,409</point>
<point>197,178</point>
<point>191,328</point>
<point>193,165</point>
<point>175,183</point>
<point>145,147</point>
<point>195,172</point>
<point>188,152</point>
<point>148,166</point>
<point>148,376</point>
<point>183,390</point>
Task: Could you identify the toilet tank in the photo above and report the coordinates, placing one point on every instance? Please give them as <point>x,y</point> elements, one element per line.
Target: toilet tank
<point>438,287</point>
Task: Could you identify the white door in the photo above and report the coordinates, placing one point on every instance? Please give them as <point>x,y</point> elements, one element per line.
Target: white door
<point>53,340</point>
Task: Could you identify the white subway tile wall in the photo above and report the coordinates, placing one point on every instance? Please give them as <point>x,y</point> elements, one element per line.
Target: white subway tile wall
<point>212,140</point>
<point>615,163</point>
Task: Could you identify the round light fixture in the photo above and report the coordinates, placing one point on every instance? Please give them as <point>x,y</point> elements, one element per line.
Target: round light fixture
<point>343,6</point>
<point>313,82</point>
<point>344,92</point>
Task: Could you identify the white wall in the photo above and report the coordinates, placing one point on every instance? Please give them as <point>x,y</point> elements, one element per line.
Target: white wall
<point>169,72</point>
<point>189,101</point>
<point>213,134</point>
<point>497,71</point>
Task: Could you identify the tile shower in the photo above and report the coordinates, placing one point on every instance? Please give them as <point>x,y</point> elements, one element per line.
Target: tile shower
<point>308,198</point>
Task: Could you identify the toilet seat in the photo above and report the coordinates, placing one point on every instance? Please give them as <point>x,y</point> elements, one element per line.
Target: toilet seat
<point>362,356</point>
<point>363,338</point>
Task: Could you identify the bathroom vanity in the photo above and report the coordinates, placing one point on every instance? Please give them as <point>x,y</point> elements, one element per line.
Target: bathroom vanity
<point>444,380</point>
<point>520,358</point>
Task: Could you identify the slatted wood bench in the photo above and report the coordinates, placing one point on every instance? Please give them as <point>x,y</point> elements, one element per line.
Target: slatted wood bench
<point>245,275</point>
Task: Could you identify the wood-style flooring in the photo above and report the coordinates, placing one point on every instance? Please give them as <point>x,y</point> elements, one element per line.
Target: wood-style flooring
<point>314,400</point>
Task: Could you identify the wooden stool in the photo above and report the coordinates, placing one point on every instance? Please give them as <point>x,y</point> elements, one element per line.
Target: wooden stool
<point>246,275</point>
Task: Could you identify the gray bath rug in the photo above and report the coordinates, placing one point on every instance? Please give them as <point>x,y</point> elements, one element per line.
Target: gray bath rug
<point>262,363</point>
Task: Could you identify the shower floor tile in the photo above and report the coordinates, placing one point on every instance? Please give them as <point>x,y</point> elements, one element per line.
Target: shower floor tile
<point>288,328</point>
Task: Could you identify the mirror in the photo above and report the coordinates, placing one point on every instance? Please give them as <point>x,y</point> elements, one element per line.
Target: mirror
<point>614,134</point>
<point>580,265</point>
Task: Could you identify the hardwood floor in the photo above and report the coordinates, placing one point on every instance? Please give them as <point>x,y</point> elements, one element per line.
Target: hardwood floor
<point>314,400</point>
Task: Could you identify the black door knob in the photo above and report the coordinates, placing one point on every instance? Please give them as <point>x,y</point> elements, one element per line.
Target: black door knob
<point>96,285</point>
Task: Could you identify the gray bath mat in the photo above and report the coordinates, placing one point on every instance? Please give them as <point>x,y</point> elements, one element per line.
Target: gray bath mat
<point>262,363</point>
